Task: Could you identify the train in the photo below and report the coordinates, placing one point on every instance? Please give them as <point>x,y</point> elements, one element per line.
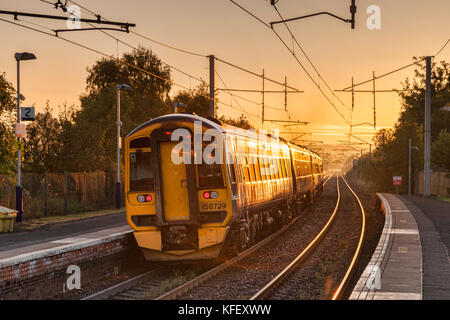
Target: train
<point>197,188</point>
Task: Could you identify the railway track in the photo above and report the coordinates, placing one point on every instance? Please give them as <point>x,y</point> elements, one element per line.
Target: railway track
<point>271,290</point>
<point>142,286</point>
<point>213,280</point>
<point>210,284</point>
<point>203,287</point>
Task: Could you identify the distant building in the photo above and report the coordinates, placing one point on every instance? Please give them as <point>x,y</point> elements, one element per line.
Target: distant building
<point>446,107</point>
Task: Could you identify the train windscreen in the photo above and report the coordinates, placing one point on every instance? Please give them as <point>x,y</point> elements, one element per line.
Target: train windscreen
<point>210,176</point>
<point>141,173</point>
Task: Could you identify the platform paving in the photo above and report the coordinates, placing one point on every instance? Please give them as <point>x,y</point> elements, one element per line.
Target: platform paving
<point>61,230</point>
<point>433,219</point>
<point>61,237</point>
<point>395,270</point>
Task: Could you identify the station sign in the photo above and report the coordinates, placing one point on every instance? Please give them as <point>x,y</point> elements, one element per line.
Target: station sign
<point>21,130</point>
<point>397,180</point>
<point>27,113</point>
<point>19,145</point>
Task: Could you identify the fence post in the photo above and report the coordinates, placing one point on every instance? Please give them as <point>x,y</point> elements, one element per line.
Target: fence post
<point>45,194</point>
<point>66,192</point>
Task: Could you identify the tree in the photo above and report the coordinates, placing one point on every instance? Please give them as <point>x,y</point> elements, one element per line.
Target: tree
<point>241,122</point>
<point>7,140</point>
<point>43,144</point>
<point>390,156</point>
<point>440,151</point>
<point>196,101</point>
<point>89,136</point>
<point>148,92</point>
<point>7,92</point>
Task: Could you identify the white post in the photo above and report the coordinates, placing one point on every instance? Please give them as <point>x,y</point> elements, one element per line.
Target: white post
<point>118,196</point>
<point>409,166</point>
<point>427,133</point>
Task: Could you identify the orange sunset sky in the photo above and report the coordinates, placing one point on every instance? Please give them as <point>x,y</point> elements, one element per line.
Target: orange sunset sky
<point>408,28</point>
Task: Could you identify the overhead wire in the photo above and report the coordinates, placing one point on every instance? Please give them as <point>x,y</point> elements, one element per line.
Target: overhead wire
<point>233,96</point>
<point>443,47</point>
<point>144,36</point>
<point>296,58</point>
<point>181,50</point>
<point>111,57</point>
<point>294,38</point>
<point>125,43</point>
<point>384,75</point>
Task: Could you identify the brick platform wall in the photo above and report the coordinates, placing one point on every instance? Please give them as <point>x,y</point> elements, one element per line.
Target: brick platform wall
<point>45,278</point>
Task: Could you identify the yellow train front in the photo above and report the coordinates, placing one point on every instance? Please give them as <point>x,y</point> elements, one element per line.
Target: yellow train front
<point>191,209</point>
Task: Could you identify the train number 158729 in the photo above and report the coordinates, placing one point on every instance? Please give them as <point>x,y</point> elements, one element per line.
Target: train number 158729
<point>213,206</point>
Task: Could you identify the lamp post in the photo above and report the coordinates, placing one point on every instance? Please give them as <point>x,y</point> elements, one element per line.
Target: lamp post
<point>24,56</point>
<point>119,87</point>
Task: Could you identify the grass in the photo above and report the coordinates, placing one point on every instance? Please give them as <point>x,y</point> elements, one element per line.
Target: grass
<point>35,223</point>
<point>178,278</point>
<point>445,199</point>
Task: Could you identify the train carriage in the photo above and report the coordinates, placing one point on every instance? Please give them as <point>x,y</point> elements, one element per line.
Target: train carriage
<point>230,189</point>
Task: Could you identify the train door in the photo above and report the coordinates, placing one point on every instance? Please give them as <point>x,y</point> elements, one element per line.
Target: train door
<point>174,185</point>
<point>175,194</point>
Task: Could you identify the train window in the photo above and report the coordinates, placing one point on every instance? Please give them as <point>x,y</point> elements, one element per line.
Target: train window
<point>272,168</point>
<point>246,170</point>
<point>262,166</point>
<point>251,168</point>
<point>259,164</point>
<point>256,167</point>
<point>276,168</point>
<point>140,143</point>
<point>232,168</point>
<point>210,176</point>
<point>283,168</point>
<point>141,173</point>
<point>298,169</point>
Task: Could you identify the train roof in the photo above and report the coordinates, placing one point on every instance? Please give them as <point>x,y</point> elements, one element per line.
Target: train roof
<point>213,123</point>
<point>189,117</point>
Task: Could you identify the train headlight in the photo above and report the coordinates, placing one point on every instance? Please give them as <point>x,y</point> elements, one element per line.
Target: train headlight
<point>210,195</point>
<point>144,198</point>
<point>214,194</point>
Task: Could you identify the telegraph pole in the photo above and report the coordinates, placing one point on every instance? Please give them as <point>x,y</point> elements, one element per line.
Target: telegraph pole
<point>263,97</point>
<point>409,166</point>
<point>374,103</point>
<point>427,133</point>
<point>285,93</point>
<point>212,89</point>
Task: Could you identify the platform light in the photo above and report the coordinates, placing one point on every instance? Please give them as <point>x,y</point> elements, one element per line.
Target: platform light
<point>20,56</point>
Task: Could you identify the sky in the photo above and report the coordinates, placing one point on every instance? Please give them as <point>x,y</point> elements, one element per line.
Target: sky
<point>408,28</point>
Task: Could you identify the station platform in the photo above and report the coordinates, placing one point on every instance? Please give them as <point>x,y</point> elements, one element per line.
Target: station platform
<point>395,270</point>
<point>42,256</point>
<point>411,260</point>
